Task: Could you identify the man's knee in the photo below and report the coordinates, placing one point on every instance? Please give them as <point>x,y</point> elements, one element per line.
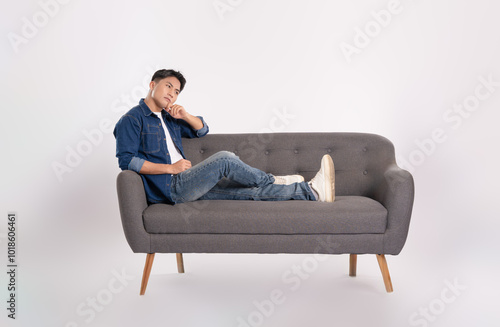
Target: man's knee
<point>225,154</point>
<point>221,156</point>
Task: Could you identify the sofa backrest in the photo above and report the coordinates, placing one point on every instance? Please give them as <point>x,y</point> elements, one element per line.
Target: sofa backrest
<point>360,159</point>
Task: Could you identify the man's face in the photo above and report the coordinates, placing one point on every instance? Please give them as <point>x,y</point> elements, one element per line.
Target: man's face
<point>164,92</point>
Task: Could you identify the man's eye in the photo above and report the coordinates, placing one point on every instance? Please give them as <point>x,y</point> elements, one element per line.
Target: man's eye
<point>168,85</point>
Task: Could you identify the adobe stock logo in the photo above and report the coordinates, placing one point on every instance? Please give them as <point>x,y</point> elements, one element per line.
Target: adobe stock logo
<point>94,305</point>
<point>76,153</point>
<point>454,118</point>
<point>437,306</point>
<point>40,19</point>
<point>222,7</point>
<point>363,37</point>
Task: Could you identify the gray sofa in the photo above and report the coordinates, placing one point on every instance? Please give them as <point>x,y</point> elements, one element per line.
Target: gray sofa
<point>370,215</point>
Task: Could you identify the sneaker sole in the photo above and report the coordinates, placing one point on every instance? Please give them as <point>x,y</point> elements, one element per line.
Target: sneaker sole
<point>329,170</point>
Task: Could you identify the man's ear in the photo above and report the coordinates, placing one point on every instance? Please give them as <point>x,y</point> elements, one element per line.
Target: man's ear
<point>152,85</point>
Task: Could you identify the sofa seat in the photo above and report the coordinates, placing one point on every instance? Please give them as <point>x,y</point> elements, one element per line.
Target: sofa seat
<point>347,215</point>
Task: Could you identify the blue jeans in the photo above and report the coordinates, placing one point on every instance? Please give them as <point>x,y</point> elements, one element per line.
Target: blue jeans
<point>223,176</point>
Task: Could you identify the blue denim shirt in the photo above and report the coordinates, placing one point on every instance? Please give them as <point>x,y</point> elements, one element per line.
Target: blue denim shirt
<point>140,137</point>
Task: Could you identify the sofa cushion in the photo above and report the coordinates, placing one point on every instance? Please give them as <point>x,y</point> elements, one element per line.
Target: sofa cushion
<point>347,215</point>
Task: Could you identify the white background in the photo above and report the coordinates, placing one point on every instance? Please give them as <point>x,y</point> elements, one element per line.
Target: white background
<point>88,61</point>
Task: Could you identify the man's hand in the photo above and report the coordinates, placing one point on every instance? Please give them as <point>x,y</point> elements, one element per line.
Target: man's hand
<point>155,168</point>
<point>179,166</point>
<point>178,112</point>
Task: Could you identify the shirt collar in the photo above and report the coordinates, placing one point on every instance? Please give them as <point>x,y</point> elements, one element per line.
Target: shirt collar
<point>145,109</point>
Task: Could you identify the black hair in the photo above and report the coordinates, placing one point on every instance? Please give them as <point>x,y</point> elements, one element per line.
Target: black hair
<point>164,73</point>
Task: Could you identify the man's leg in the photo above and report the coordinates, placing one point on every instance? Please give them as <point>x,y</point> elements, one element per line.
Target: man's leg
<point>201,178</point>
<point>269,192</point>
<point>320,188</point>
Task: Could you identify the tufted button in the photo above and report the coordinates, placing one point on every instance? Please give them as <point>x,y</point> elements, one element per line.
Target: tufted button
<point>365,172</point>
<point>202,151</point>
<point>267,152</point>
<point>364,149</point>
<point>329,150</point>
<point>295,151</point>
<point>235,151</point>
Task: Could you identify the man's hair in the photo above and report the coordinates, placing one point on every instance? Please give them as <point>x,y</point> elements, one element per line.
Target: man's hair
<point>164,73</point>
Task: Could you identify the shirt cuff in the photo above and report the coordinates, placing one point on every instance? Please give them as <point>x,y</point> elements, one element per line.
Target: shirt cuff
<point>136,164</point>
<point>204,130</point>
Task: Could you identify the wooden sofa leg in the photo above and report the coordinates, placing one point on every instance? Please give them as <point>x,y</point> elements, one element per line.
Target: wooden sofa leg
<point>353,259</point>
<point>180,263</point>
<point>147,270</point>
<point>385,272</point>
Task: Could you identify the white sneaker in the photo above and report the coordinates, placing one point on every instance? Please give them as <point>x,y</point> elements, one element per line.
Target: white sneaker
<point>288,179</point>
<point>324,181</point>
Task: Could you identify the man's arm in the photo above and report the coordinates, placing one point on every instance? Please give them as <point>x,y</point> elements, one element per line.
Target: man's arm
<point>194,121</point>
<point>152,168</point>
<point>179,112</point>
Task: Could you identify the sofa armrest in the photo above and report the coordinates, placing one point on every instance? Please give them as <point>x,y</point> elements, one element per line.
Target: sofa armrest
<point>132,202</point>
<point>396,192</point>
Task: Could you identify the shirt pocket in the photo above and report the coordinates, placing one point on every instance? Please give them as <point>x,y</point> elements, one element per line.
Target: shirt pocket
<point>175,134</point>
<point>151,142</point>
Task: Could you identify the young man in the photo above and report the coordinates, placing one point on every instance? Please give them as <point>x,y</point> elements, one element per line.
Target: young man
<point>148,141</point>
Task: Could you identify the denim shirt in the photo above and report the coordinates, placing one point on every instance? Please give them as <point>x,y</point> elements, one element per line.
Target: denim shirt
<point>140,137</point>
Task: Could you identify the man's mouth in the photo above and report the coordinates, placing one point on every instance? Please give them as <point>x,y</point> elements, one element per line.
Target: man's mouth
<point>168,99</point>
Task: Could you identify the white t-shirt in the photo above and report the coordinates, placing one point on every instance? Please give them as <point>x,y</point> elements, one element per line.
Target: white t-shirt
<point>172,149</point>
